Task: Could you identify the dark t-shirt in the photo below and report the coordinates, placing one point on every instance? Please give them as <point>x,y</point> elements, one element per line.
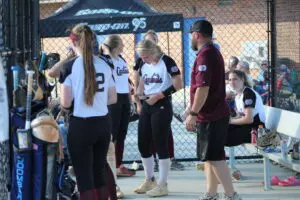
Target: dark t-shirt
<point>208,70</point>
<point>250,99</point>
<point>66,69</point>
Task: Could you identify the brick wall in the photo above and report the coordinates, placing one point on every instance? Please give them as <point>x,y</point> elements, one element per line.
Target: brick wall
<point>288,31</point>
<point>235,24</point>
<point>47,9</point>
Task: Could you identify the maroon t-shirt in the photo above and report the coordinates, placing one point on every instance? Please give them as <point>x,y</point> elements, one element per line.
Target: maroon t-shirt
<point>208,70</point>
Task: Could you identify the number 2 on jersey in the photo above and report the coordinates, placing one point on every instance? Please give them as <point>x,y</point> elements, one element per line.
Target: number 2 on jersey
<point>100,80</point>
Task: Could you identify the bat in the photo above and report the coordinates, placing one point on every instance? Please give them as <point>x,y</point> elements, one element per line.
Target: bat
<point>24,135</point>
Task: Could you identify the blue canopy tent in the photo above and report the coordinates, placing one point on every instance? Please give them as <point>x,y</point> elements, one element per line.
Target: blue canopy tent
<point>109,17</point>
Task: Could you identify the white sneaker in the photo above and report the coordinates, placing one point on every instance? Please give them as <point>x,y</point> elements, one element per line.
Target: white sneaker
<point>146,186</point>
<point>158,191</point>
<point>120,194</point>
<point>234,197</point>
<point>206,196</point>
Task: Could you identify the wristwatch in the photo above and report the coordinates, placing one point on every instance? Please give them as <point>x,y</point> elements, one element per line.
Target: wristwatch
<point>192,113</point>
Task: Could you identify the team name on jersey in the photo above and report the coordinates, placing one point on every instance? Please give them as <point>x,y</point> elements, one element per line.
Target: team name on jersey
<point>155,78</point>
<point>122,70</point>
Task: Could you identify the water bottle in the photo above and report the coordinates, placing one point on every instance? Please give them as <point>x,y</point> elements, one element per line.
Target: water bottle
<point>261,131</point>
<point>284,150</point>
<point>253,136</point>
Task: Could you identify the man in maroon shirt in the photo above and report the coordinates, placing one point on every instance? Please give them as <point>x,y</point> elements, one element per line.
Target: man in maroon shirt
<point>209,113</point>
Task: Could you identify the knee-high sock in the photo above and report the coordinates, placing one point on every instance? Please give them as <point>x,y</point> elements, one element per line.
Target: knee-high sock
<point>148,164</point>
<point>164,168</point>
<point>111,159</point>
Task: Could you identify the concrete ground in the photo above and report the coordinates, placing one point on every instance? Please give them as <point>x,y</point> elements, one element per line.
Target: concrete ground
<point>189,183</point>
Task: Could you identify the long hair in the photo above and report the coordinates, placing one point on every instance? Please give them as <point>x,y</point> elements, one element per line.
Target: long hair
<point>84,37</point>
<point>148,46</point>
<point>111,43</point>
<point>242,75</point>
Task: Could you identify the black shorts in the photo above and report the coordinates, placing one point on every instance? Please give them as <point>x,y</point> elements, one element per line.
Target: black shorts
<point>238,134</point>
<point>211,139</point>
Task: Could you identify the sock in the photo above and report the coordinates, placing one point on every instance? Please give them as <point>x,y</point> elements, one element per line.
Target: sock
<point>164,168</point>
<point>148,164</point>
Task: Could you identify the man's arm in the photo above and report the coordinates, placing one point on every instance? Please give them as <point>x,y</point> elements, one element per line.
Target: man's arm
<point>200,98</point>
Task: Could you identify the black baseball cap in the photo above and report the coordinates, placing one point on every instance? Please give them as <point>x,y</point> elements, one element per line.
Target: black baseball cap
<point>202,26</point>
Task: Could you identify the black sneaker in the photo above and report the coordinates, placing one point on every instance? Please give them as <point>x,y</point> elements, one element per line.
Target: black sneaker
<point>176,166</point>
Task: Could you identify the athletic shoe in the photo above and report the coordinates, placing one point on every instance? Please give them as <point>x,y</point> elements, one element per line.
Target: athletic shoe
<point>176,166</point>
<point>206,196</point>
<point>156,167</point>
<point>236,175</point>
<point>234,197</point>
<point>136,166</point>
<point>158,191</point>
<point>120,194</point>
<point>146,186</point>
<point>200,166</point>
<point>124,172</point>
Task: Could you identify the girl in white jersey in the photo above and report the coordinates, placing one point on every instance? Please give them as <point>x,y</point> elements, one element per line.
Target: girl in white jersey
<point>160,77</point>
<point>88,83</point>
<point>119,113</point>
<point>112,47</point>
<point>175,165</point>
<point>249,108</point>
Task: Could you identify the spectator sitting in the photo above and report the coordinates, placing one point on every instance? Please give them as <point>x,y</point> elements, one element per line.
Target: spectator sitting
<point>232,65</point>
<point>282,83</point>
<point>230,93</point>
<point>244,66</point>
<point>263,81</point>
<point>264,74</point>
<point>250,112</point>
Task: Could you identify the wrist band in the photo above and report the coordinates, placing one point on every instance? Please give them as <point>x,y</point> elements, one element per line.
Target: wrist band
<point>194,114</point>
<point>169,91</point>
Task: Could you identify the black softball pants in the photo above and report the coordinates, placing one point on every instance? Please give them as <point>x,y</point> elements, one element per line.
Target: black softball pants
<point>88,142</point>
<point>154,126</point>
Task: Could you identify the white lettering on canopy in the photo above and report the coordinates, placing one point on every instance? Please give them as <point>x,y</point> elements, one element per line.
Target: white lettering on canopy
<point>105,27</point>
<point>106,11</point>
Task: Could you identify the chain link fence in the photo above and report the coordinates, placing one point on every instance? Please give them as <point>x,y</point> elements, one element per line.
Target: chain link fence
<point>241,29</point>
<point>5,51</point>
<point>288,55</point>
